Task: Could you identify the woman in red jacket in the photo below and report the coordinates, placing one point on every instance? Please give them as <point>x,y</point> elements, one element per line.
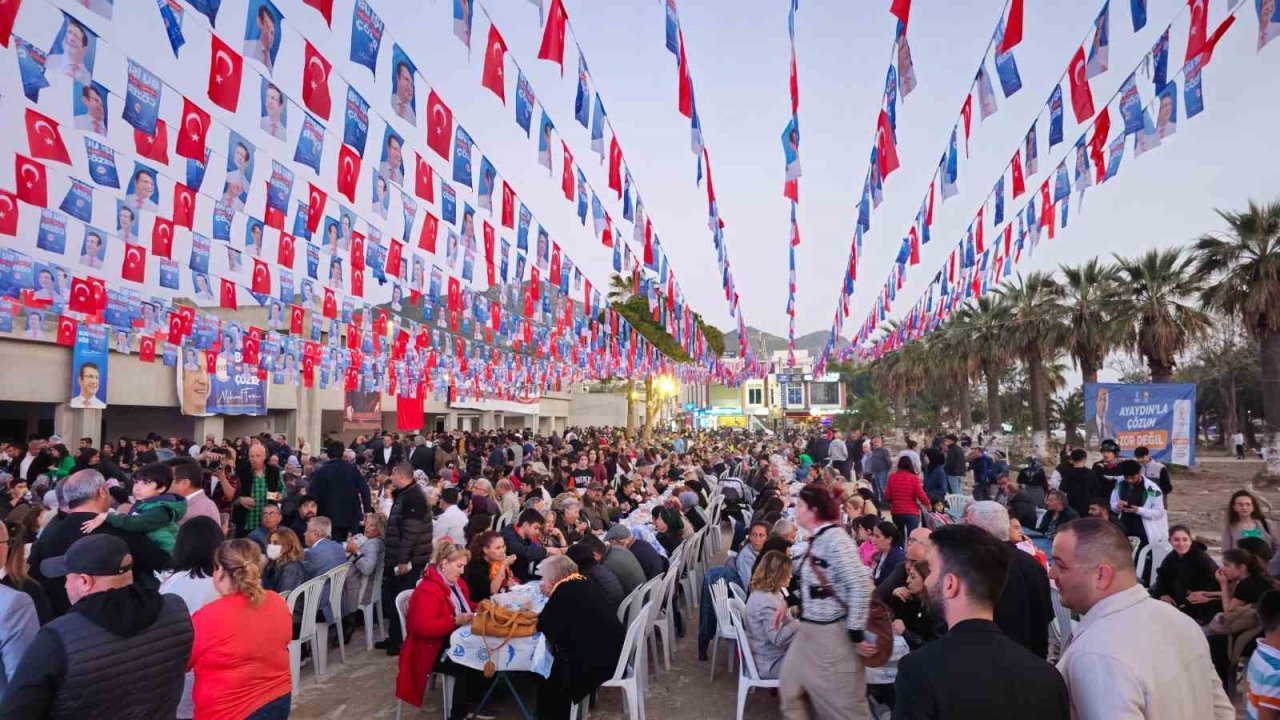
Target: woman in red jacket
<point>439,605</point>
<point>902,492</point>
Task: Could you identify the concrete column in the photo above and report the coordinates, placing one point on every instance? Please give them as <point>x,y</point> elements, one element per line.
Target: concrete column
<point>213,425</point>
<point>74,424</point>
<point>530,422</point>
<point>487,420</point>
<point>450,421</point>
<point>305,420</point>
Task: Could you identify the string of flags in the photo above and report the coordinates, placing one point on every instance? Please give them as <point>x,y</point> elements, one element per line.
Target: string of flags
<point>791,184</point>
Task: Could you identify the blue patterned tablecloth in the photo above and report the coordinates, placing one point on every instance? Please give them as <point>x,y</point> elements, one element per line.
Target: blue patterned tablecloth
<point>526,654</point>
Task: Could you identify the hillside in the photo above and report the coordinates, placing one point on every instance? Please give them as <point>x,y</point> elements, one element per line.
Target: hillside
<point>813,342</point>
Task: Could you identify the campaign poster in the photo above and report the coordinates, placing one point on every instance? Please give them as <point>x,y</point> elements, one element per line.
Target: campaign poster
<point>462,156</point>
<point>195,170</point>
<point>74,50</point>
<point>89,108</point>
<point>142,192</point>
<point>235,191</point>
<point>362,410</point>
<point>355,129</point>
<point>381,194</point>
<point>262,33</point>
<point>142,99</point>
<point>274,117</point>
<point>89,368</point>
<point>404,101</point>
<point>31,66</point>
<point>448,203</point>
<point>1158,417</point>
<point>366,35</point>
<point>392,159</point>
<point>52,235</point>
<point>78,202</point>
<point>233,388</point>
<point>310,144</point>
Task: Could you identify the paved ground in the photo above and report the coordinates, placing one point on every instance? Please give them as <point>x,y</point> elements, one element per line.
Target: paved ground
<point>364,688</point>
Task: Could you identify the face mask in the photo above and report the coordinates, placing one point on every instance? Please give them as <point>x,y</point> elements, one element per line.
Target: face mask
<point>273,552</point>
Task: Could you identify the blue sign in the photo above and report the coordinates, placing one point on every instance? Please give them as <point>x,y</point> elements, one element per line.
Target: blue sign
<point>366,35</point>
<point>1159,417</point>
<point>232,389</point>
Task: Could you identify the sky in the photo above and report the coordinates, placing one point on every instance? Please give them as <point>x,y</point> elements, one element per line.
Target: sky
<point>738,57</point>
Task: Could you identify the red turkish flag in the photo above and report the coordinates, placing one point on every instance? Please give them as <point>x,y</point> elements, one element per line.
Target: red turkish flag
<point>1012,27</point>
<point>357,250</point>
<point>192,132</point>
<point>1198,29</point>
<point>225,65</point>
<point>295,319</point>
<point>273,217</point>
<point>97,294</point>
<point>1098,144</point>
<point>615,165</point>
<point>8,13</point>
<point>423,186</point>
<point>606,236</point>
<point>8,213</point>
<point>44,139</point>
<point>553,36</point>
<point>82,297</point>
<point>685,91</point>
<point>67,327</point>
<point>261,277</point>
<point>147,349</point>
<point>566,178</point>
<point>154,147</point>
<point>315,82</point>
<point>211,361</point>
<point>348,172</point>
<point>886,150</point>
<point>330,306</point>
<point>134,267</point>
<point>439,125</point>
<point>316,199</point>
<point>324,7</point>
<point>901,9</point>
<point>184,205</point>
<point>980,246</point>
<point>454,299</point>
<point>162,238</point>
<point>249,354</point>
<point>188,315</point>
<point>1081,95</point>
<point>227,295</point>
<point>508,205</point>
<point>175,328</point>
<point>495,53</point>
<point>284,250</point>
<point>33,185</point>
<point>1019,185</point>
<point>430,227</point>
<point>357,282</point>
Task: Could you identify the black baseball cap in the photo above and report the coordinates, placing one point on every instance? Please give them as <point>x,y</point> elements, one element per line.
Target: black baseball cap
<point>97,555</point>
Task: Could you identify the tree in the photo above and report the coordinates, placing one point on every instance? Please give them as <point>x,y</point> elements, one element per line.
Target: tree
<point>1159,288</point>
<point>983,322</point>
<point>950,350</point>
<point>1036,332</point>
<point>1070,414</point>
<point>1089,300</point>
<point>1243,270</point>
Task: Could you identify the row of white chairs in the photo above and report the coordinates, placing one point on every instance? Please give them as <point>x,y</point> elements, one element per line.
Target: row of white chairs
<point>315,633</point>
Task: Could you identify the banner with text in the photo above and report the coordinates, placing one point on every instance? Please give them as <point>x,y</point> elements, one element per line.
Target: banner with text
<point>1160,417</point>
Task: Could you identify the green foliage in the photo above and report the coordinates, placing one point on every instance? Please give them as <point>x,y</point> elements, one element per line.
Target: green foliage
<point>636,312</point>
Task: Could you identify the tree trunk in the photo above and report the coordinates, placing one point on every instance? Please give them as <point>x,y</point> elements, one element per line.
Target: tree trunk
<point>966,405</point>
<point>1230,419</point>
<point>1161,371</point>
<point>649,407</point>
<point>994,420</point>
<point>1089,369</point>
<point>1039,404</point>
<point>899,411</point>
<point>631,409</point>
<point>1271,402</point>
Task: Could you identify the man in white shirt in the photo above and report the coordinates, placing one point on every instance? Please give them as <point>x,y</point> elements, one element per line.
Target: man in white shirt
<point>452,523</point>
<point>188,482</point>
<point>1237,439</point>
<point>89,378</point>
<point>1131,656</point>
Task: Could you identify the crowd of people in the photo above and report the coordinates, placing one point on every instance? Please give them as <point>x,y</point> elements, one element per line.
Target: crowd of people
<point>871,575</point>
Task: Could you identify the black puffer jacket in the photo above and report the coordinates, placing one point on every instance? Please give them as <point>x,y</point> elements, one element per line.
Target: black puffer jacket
<point>1181,574</point>
<point>408,527</point>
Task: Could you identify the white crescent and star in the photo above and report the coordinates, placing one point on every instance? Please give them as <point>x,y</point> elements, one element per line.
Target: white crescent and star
<point>22,171</point>
<point>323,75</point>
<point>51,134</point>
<point>198,132</point>
<point>5,205</point>
<point>132,256</point>
<point>222,55</point>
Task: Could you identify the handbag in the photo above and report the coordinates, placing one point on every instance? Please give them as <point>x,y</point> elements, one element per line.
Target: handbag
<point>494,620</point>
<point>879,622</point>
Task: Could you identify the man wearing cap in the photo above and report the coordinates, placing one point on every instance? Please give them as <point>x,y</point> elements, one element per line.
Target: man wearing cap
<point>594,508</point>
<point>74,666</point>
<point>1107,469</point>
<point>1140,504</point>
<point>341,493</point>
<point>620,537</point>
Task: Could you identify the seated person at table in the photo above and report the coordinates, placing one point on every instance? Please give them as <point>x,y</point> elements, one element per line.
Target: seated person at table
<point>770,626</point>
<point>439,605</point>
<point>601,576</point>
<point>582,633</point>
<point>521,539</point>
<point>488,572</point>
<point>671,529</point>
<point>653,564</point>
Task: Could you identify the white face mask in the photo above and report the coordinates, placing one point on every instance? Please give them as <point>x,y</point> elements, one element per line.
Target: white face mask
<point>273,552</point>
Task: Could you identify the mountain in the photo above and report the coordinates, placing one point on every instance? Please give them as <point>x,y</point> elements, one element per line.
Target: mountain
<point>813,342</point>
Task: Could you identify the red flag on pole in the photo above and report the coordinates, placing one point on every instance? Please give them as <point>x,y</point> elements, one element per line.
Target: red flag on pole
<point>227,295</point>
<point>427,238</point>
<point>43,138</point>
<point>686,83</point>
<point>508,205</point>
<point>315,82</point>
<point>8,213</point>
<point>566,179</point>
<point>495,54</point>
<point>67,327</point>
<point>261,277</point>
<point>553,36</point>
<point>1019,185</point>
<point>901,9</point>
<point>8,13</point>
<point>284,250</point>
<point>1199,27</point>
<point>886,151</point>
<point>1081,95</point>
<point>225,65</point>
<point>615,165</point>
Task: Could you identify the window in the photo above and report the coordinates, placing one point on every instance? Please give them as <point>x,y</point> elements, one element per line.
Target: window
<point>824,393</point>
<point>755,396</point>
<point>795,395</point>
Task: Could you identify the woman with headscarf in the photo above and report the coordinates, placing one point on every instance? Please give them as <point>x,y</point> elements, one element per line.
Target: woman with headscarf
<point>689,506</point>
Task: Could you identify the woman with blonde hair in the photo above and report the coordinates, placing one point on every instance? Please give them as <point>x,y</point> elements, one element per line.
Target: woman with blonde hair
<point>769,625</point>
<point>284,570</point>
<point>240,655</point>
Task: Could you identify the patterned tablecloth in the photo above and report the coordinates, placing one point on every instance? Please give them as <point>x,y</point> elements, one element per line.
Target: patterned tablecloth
<point>527,654</point>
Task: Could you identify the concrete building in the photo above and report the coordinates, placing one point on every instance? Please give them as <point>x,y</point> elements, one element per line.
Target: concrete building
<point>790,395</point>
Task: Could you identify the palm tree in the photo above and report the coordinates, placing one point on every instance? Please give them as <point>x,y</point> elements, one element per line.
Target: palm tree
<point>951,349</point>
<point>1089,295</point>
<point>1070,412</point>
<point>982,321</point>
<point>1242,271</point>
<point>1036,332</point>
<point>1159,289</point>
<point>620,288</point>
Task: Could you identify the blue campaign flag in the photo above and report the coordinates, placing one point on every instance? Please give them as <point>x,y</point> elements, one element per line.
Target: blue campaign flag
<point>597,127</point>
<point>356,128</point>
<point>999,193</point>
<point>300,221</point>
<point>208,8</point>
<point>617,257</point>
<point>1099,50</point>
<point>1130,106</point>
<point>279,187</point>
<point>1159,417</point>
<point>366,35</point>
<point>891,99</point>
<point>171,15</point>
<point>78,202</point>
<point>950,169</point>
<point>522,229</point>
<point>1193,96</point>
<point>582,196</point>
<point>142,99</point>
<point>31,65</point>
<point>52,234</point>
<point>1055,116</point>
<point>582,101</point>
<point>1138,8</point>
<point>1160,61</point>
<point>904,253</point>
<point>168,274</point>
<point>222,216</point>
<point>1007,67</point>
<point>524,104</point>
<point>448,203</point>
<point>195,170</point>
<point>200,245</point>
<point>102,164</point>
<point>628,212</point>
<point>673,28</point>
<point>1115,153</point>
<point>462,156</point>
<point>310,143</point>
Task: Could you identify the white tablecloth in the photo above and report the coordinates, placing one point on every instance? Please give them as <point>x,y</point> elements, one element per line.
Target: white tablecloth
<point>526,654</point>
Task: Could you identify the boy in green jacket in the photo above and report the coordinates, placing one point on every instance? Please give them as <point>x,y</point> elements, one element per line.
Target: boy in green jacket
<point>155,512</point>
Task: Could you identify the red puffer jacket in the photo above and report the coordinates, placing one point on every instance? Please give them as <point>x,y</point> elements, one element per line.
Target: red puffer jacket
<point>430,622</point>
<point>903,491</point>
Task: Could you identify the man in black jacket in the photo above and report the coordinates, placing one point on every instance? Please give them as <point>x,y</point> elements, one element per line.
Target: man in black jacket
<point>1024,609</point>
<point>1079,483</point>
<point>1001,679</point>
<point>341,493</point>
<point>956,466</point>
<point>114,623</point>
<point>85,495</point>
<point>408,547</point>
<point>521,538</point>
<point>423,456</point>
<point>388,454</point>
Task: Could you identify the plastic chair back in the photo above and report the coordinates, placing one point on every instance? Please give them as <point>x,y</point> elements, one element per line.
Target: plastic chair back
<point>748,665</point>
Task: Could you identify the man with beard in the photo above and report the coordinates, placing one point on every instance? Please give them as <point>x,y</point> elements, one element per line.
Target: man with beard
<point>1002,679</point>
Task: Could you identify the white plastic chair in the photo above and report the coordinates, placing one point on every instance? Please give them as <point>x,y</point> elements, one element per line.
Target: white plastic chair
<point>402,609</point>
<point>631,603</point>
<point>375,623</point>
<point>661,624</point>
<point>308,593</point>
<point>724,631</point>
<point>956,503</point>
<point>629,675</point>
<point>1062,616</point>
<point>748,676</point>
<point>738,593</point>
<point>337,578</point>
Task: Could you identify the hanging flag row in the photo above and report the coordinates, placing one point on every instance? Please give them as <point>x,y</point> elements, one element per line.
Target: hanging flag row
<point>791,181</point>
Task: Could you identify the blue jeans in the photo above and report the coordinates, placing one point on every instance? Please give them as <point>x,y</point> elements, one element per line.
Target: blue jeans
<point>881,478</point>
<point>906,523</point>
<point>953,484</point>
<point>277,709</point>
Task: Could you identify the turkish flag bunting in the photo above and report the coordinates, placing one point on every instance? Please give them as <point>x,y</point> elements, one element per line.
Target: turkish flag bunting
<point>175,328</point>
<point>295,319</point>
<point>901,9</point>
<point>1212,42</point>
<point>393,257</point>
<point>348,171</point>
<point>553,36</point>
<point>225,65</point>
<point>887,151</point>
<point>8,213</point>
<point>147,349</point>
<point>252,343</point>
<point>1012,27</point>
<point>423,186</point>
<point>980,246</point>
<point>606,236</point>
<point>508,205</point>
<point>324,7</point>
<point>1081,95</point>
<point>430,227</point>
<point>8,13</point>
<point>284,250</point>
<point>227,295</point>
<point>357,250</point>
<point>193,131</point>
<point>184,205</point>
<point>685,99</point>
<point>211,361</point>
<point>67,326</point>
<point>1019,185</point>
<point>495,54</point>
<point>615,165</point>
<point>162,238</point>
<point>33,184</point>
<point>329,308</point>
<point>455,293</point>
<point>315,207</point>
<point>357,282</point>
<point>315,82</point>
<point>97,294</point>
<point>82,300</point>
<point>44,139</point>
<point>566,178</point>
<point>1098,144</point>
<point>261,277</point>
<point>188,315</point>
<point>439,125</point>
<point>153,147</point>
<point>1199,27</point>
<point>134,267</point>
<point>273,217</point>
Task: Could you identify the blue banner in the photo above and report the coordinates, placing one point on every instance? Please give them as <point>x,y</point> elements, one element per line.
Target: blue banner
<point>1159,417</point>
<point>31,65</point>
<point>1055,116</point>
<point>52,235</point>
<point>78,202</point>
<point>356,129</point>
<point>89,367</point>
<point>310,143</point>
<point>366,35</point>
<point>142,99</point>
<point>524,103</point>
<point>232,389</point>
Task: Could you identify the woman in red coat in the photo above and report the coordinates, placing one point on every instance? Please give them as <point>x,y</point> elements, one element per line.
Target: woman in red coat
<point>902,492</point>
<point>439,605</point>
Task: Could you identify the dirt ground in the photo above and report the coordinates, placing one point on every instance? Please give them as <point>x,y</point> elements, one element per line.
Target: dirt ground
<point>1200,495</point>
